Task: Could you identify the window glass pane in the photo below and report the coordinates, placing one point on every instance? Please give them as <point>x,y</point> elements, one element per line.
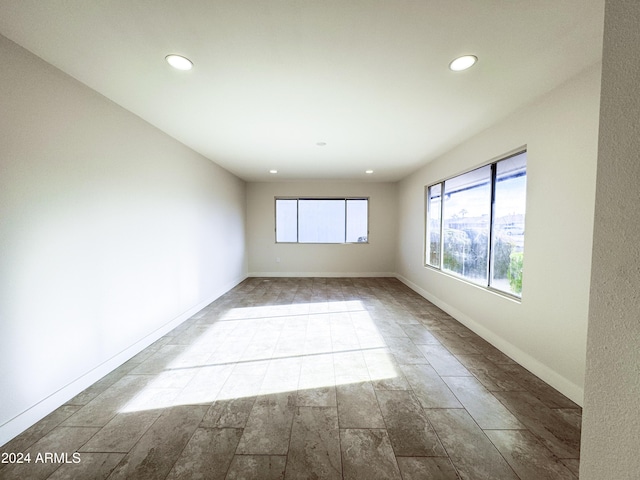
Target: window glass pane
<point>508,224</point>
<point>321,221</point>
<point>357,229</point>
<point>467,205</point>
<point>434,200</point>
<point>286,220</point>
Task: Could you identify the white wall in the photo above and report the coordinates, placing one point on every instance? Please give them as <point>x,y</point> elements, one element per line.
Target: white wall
<point>611,421</point>
<point>110,234</point>
<point>375,258</point>
<point>546,332</point>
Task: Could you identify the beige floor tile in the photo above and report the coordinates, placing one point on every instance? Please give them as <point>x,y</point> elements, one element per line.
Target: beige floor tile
<point>155,453</point>
<point>62,441</point>
<point>485,408</point>
<point>257,467</point>
<point>207,455</point>
<point>367,454</point>
<point>429,388</point>
<point>527,456</point>
<point>469,449</point>
<point>443,361</point>
<point>431,468</point>
<point>232,413</point>
<point>358,406</point>
<point>269,425</point>
<point>332,377</point>
<point>314,450</point>
<point>91,466</point>
<point>409,430</point>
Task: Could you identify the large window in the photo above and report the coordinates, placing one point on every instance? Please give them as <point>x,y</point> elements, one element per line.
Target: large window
<point>322,220</point>
<point>475,224</point>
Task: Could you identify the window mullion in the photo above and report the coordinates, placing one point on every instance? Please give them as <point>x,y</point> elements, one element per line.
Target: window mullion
<point>441,225</point>
<point>297,220</point>
<point>345,220</point>
<point>491,229</point>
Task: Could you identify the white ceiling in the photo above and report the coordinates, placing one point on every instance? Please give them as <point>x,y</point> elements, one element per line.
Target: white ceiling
<point>274,77</point>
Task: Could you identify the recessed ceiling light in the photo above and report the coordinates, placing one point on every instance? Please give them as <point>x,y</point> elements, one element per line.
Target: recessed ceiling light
<point>273,171</point>
<point>179,62</point>
<point>462,63</point>
<point>321,144</point>
<point>369,172</point>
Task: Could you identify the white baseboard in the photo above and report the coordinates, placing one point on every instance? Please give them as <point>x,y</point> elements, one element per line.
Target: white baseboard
<point>322,274</point>
<point>544,372</point>
<point>44,407</point>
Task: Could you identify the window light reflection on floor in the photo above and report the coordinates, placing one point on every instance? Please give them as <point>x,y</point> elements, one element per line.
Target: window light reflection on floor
<point>249,351</point>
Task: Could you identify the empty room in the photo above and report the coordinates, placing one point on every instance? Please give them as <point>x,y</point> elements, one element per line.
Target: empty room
<point>297,239</point>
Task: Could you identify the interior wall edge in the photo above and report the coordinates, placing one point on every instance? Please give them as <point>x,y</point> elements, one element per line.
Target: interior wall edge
<point>44,407</point>
<point>542,371</point>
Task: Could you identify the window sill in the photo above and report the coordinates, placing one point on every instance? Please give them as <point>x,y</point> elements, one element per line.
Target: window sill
<point>495,291</point>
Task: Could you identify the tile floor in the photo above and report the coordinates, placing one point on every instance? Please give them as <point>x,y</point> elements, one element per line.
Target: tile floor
<point>312,378</point>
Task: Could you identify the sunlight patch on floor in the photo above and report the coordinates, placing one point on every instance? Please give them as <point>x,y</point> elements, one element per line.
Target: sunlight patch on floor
<point>269,349</point>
